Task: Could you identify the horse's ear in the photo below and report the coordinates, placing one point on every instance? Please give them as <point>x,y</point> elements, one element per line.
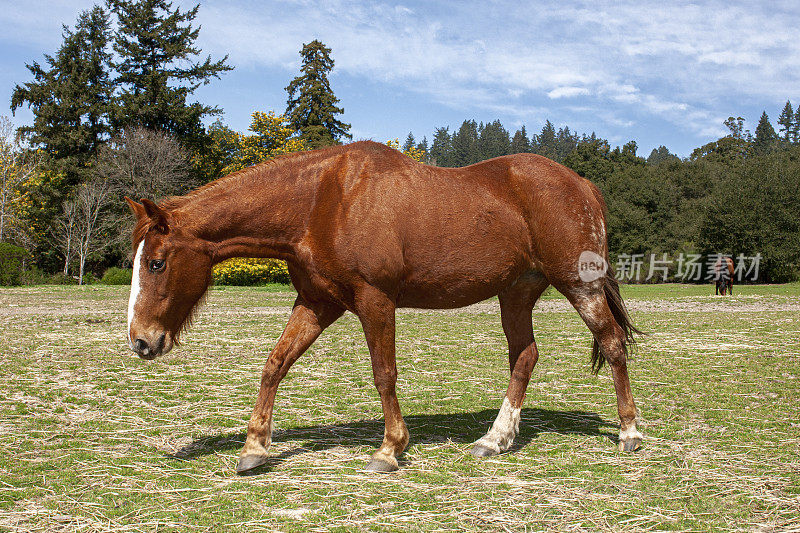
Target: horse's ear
<point>137,209</point>
<point>159,217</point>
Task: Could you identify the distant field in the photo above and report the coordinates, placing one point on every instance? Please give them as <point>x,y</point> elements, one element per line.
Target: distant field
<point>95,439</point>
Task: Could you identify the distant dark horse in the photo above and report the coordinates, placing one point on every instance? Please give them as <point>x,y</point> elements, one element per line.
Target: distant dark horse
<point>723,276</point>
<point>367,230</point>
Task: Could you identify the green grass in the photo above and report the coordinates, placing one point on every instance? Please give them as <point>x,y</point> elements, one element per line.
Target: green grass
<point>95,439</point>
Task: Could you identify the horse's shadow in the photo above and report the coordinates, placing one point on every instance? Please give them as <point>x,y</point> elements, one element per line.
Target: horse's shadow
<point>461,428</point>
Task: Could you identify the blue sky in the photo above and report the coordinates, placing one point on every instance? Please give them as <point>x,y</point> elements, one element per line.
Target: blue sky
<point>654,72</point>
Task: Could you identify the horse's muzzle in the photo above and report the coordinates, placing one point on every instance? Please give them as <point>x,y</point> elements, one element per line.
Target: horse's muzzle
<point>149,350</point>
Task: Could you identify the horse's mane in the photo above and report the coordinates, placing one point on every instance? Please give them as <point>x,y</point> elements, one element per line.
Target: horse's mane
<point>229,180</point>
<point>236,178</point>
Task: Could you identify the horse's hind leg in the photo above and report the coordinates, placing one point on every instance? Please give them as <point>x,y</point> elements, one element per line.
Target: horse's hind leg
<point>516,305</point>
<point>305,324</point>
<point>593,306</point>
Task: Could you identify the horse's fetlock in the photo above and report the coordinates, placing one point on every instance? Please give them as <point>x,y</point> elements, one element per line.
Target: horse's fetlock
<point>400,441</point>
<point>504,429</point>
<point>255,446</point>
<point>630,439</point>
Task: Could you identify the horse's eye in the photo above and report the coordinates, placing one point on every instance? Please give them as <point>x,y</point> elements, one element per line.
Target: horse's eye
<point>156,265</point>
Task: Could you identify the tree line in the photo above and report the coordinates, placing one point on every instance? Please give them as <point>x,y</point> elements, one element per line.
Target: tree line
<point>474,142</point>
<point>732,196</point>
<point>114,115</point>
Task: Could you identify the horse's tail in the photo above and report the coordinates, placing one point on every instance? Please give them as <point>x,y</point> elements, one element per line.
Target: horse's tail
<point>614,300</point>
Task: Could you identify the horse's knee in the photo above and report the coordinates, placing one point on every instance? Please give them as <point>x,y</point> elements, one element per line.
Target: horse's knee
<point>385,382</point>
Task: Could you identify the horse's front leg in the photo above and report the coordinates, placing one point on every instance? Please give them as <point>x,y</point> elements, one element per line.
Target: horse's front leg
<point>376,312</point>
<point>305,324</point>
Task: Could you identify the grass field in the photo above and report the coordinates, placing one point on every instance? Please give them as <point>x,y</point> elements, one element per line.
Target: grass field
<point>95,439</point>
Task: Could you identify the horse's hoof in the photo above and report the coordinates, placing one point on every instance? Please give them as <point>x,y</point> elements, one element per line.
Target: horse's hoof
<point>479,450</point>
<point>379,465</point>
<point>249,462</point>
<point>630,445</point>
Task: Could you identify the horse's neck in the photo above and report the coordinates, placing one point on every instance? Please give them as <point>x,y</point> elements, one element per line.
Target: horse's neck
<point>252,215</point>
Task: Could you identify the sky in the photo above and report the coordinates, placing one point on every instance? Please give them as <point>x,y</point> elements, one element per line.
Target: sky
<point>656,72</point>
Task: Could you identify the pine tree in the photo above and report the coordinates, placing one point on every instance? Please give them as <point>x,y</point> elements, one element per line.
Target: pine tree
<point>423,148</point>
<point>661,154</point>
<point>441,153</point>
<point>465,144</point>
<point>736,126</point>
<point>71,99</point>
<point>520,144</point>
<point>629,149</point>
<point>493,141</point>
<point>766,137</point>
<point>311,107</point>
<point>158,69</point>
<point>794,131</point>
<point>566,141</point>
<point>410,142</point>
<point>591,159</point>
<point>546,141</point>
<point>787,121</point>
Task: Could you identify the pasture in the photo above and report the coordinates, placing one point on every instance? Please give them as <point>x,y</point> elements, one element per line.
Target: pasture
<point>95,439</point>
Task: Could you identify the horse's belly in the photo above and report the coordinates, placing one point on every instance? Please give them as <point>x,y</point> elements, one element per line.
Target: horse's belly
<point>448,286</point>
<point>468,263</point>
<point>424,298</point>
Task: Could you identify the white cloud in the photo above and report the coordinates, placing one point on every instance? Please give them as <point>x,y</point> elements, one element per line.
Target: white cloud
<point>668,61</point>
<point>624,62</point>
<point>567,92</point>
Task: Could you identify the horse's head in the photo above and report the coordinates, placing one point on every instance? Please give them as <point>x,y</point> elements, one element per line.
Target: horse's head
<point>171,273</point>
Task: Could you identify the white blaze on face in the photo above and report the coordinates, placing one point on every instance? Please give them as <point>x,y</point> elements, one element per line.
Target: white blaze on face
<point>137,262</point>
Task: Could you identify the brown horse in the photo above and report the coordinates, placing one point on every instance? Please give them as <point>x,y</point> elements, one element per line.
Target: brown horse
<point>365,229</point>
<point>723,276</point>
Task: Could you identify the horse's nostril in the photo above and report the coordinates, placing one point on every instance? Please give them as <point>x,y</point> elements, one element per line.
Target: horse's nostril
<point>158,347</point>
<point>141,346</point>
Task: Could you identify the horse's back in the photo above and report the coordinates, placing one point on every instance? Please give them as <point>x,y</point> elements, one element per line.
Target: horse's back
<point>448,237</point>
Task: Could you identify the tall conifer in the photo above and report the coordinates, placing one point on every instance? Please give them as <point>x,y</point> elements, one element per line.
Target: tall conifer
<point>311,108</point>
<point>410,142</point>
<point>70,97</point>
<point>159,70</point>
<point>765,138</point>
<point>787,120</point>
<point>465,144</point>
<point>546,141</point>
<point>493,141</point>
<point>520,144</point>
<point>441,153</point>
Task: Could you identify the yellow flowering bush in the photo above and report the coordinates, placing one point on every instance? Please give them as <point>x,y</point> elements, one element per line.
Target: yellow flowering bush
<point>249,271</point>
<point>271,137</point>
<point>414,153</point>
